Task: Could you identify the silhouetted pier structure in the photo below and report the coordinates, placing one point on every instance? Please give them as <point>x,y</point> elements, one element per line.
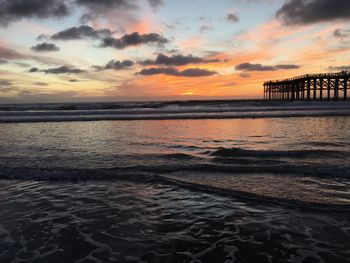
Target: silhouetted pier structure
<point>332,86</point>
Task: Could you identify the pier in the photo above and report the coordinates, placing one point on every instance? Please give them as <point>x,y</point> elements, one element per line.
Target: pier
<point>331,86</point>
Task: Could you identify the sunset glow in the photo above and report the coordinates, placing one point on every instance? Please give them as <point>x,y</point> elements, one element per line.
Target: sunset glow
<point>156,50</point>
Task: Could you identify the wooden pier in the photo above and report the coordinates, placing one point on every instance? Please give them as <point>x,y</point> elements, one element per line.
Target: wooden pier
<point>333,86</point>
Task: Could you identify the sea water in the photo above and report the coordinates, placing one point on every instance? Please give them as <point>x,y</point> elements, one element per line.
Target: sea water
<point>220,181</point>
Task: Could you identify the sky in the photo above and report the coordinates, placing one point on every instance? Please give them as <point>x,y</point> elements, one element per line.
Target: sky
<point>128,50</point>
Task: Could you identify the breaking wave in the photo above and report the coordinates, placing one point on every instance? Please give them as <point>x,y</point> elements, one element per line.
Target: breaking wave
<point>167,110</point>
<point>223,170</point>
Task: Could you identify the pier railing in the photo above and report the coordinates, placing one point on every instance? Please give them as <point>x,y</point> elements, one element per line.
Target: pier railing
<point>328,86</point>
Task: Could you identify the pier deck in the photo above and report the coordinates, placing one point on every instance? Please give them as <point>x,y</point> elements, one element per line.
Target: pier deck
<point>332,86</point>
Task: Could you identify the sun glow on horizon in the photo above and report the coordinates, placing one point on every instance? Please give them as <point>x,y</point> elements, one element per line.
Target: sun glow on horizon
<point>189,93</point>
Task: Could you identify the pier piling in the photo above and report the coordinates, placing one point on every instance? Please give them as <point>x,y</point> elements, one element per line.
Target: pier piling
<point>309,87</point>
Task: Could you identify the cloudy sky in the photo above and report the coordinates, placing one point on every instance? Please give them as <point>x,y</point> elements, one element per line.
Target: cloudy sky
<point>106,50</point>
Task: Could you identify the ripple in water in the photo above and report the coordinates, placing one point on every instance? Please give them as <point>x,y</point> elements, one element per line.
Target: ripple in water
<point>192,191</point>
<point>124,221</point>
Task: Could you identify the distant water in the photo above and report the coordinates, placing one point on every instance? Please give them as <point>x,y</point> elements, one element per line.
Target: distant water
<point>175,181</point>
<point>169,110</point>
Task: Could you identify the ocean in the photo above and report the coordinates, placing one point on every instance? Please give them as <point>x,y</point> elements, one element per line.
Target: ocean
<point>191,181</point>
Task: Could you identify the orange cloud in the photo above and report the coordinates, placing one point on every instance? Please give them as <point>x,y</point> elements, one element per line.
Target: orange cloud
<point>144,25</point>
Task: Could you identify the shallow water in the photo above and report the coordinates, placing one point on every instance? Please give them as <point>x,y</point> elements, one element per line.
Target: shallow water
<point>121,221</point>
<point>195,190</point>
<point>294,159</point>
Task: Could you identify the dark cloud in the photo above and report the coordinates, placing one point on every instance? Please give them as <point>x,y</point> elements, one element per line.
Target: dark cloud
<point>63,70</point>
<point>33,70</point>
<point>171,71</point>
<point>43,37</point>
<point>204,28</point>
<point>259,67</point>
<point>13,10</point>
<point>232,18</point>
<point>98,68</point>
<point>73,80</point>
<point>133,39</point>
<point>116,65</point>
<point>155,3</point>
<point>287,66</point>
<point>59,70</point>
<point>196,72</point>
<point>299,12</point>
<point>341,33</point>
<point>45,47</point>
<point>81,32</point>
<point>95,8</point>
<point>157,71</point>
<point>103,5</point>
<point>3,61</point>
<point>176,60</point>
<point>340,68</point>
